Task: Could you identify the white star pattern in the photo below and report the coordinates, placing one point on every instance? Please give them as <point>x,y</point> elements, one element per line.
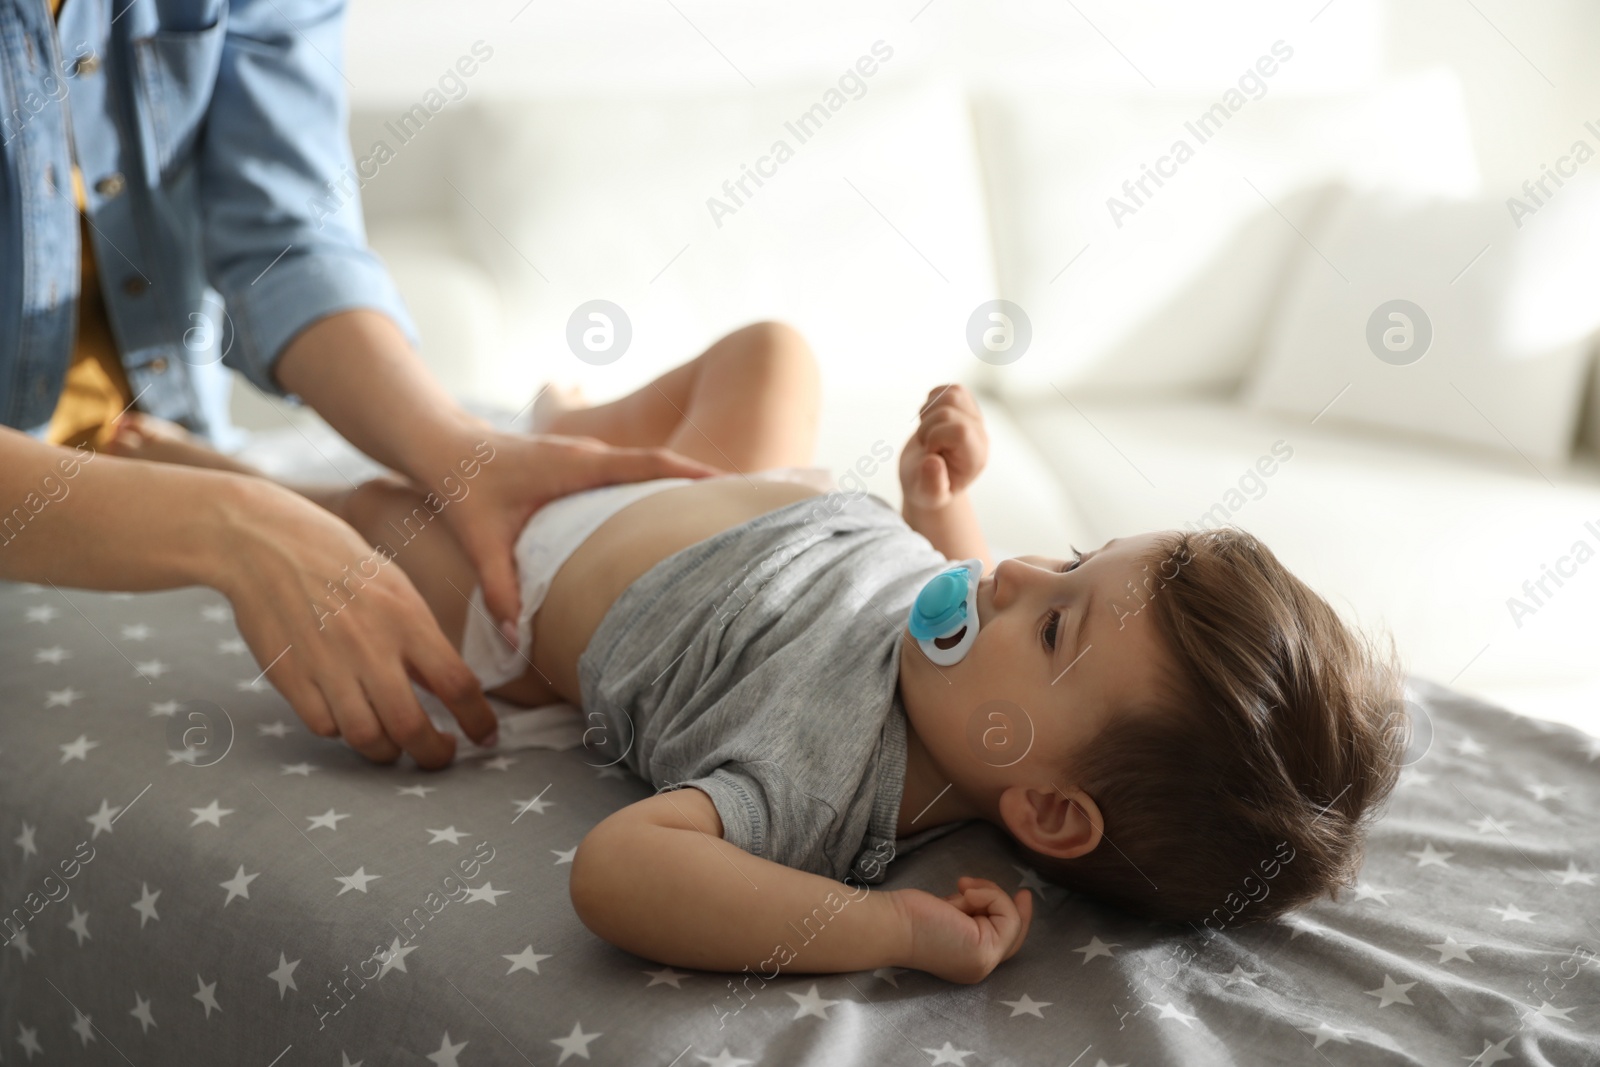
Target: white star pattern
<point>1550,1011</point>
<point>1031,880</point>
<point>77,750</point>
<point>1450,949</point>
<point>414,790</point>
<point>1491,1054</point>
<point>527,960</point>
<point>83,1026</point>
<point>29,1040</point>
<point>1367,891</point>
<point>575,1043</point>
<point>948,1053</point>
<point>1239,974</point>
<point>42,613</point>
<point>1572,874</point>
<point>812,1003</point>
<point>277,728</point>
<point>1431,857</point>
<point>449,833</point>
<point>136,632</point>
<point>1541,791</point>
<point>167,708</point>
<point>446,1056</point>
<point>328,820</point>
<point>212,813</point>
<point>486,893</point>
<point>888,974</point>
<point>1392,992</point>
<point>80,925</point>
<point>665,976</point>
<point>207,995</point>
<point>357,881</point>
<point>146,904</point>
<point>284,975</point>
<point>1324,1033</point>
<point>20,942</point>
<point>396,960</point>
<point>24,841</point>
<point>1489,825</point>
<point>1170,1011</point>
<point>721,1059</point>
<point>1469,747</point>
<point>499,763</point>
<point>533,804</point>
<point>564,856</point>
<point>141,1011</point>
<point>1026,1006</point>
<point>54,654</point>
<point>216,613</point>
<point>233,646</point>
<point>238,885</point>
<point>152,668</point>
<point>302,769</point>
<point>1513,914</point>
<point>1097,947</point>
<point>102,819</point>
<point>62,698</point>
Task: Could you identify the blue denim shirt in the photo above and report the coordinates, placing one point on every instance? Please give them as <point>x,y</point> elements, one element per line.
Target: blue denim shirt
<point>220,188</point>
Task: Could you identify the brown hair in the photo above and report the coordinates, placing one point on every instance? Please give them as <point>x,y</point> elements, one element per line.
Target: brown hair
<point>1248,790</point>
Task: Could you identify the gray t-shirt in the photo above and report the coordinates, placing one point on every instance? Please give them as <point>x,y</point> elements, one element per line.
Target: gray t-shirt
<point>761,665</point>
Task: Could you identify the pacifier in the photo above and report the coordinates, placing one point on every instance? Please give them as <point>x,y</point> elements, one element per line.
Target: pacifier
<point>944,618</point>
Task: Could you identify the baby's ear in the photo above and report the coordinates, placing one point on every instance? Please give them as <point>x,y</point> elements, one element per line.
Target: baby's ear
<point>1065,823</point>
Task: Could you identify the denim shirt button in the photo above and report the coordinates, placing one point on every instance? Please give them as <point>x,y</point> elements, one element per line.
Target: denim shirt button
<point>158,365</point>
<point>110,186</point>
<point>134,285</point>
<point>87,65</point>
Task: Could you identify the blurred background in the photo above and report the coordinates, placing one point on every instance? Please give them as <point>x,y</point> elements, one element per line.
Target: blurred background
<point>1324,270</point>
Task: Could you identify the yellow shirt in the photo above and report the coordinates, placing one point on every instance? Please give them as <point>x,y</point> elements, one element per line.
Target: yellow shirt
<point>96,389</point>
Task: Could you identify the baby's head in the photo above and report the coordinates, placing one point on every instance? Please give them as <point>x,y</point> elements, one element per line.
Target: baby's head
<point>1173,723</point>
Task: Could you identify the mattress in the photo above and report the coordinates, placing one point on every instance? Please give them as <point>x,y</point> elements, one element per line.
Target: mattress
<point>189,876</point>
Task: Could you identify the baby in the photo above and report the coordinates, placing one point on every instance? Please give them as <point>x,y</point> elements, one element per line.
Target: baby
<point>1171,722</point>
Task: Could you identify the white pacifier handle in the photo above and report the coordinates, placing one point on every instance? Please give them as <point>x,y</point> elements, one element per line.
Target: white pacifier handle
<point>944,618</point>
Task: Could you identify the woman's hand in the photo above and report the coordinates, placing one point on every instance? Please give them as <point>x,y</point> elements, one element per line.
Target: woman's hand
<point>948,450</point>
<point>964,936</point>
<point>516,474</point>
<point>341,630</point>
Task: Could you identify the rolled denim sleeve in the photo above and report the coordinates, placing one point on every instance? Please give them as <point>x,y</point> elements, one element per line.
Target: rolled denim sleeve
<point>284,240</point>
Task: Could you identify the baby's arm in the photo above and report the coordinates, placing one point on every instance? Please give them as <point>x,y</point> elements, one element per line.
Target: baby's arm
<point>658,880</point>
<point>943,457</point>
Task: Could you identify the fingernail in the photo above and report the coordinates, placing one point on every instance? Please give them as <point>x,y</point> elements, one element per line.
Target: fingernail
<point>492,740</point>
<point>508,632</point>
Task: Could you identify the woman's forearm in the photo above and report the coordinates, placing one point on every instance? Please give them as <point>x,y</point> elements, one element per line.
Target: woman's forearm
<point>361,374</point>
<point>689,899</point>
<point>93,521</point>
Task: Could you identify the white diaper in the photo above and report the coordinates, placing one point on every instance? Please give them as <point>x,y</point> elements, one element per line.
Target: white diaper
<point>554,533</point>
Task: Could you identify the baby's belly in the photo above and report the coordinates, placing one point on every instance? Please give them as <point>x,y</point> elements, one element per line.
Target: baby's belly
<point>626,546</point>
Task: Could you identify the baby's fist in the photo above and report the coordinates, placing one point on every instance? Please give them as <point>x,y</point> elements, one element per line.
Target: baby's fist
<point>948,450</point>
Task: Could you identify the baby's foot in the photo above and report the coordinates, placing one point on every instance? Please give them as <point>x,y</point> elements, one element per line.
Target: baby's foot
<point>551,404</point>
<point>141,436</point>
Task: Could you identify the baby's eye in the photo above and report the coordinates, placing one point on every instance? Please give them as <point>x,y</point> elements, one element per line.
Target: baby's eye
<point>1052,623</point>
<point>1072,564</point>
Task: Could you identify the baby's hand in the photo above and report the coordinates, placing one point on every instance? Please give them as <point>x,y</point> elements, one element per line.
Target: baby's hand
<point>964,936</point>
<point>947,451</point>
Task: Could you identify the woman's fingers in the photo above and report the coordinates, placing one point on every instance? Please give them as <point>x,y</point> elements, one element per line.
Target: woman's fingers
<point>441,671</point>
<point>358,723</point>
<point>405,723</point>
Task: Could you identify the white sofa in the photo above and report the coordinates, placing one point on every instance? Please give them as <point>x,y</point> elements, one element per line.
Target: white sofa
<point>1136,405</point>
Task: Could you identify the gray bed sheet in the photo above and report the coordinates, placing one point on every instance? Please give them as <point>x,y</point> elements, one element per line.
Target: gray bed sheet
<point>194,878</point>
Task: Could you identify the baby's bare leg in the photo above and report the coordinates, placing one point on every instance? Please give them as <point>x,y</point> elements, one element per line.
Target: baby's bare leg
<point>748,402</point>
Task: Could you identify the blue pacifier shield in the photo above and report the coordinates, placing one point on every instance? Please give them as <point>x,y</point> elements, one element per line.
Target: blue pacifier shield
<point>944,617</point>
